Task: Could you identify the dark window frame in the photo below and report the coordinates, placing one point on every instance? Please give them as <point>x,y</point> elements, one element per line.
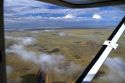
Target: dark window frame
<point>2,46</point>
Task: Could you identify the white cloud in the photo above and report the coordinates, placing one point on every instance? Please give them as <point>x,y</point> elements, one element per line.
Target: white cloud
<point>50,61</point>
<point>35,13</point>
<point>116,73</point>
<point>68,16</point>
<point>96,16</point>
<point>9,70</point>
<point>62,34</point>
<point>25,3</point>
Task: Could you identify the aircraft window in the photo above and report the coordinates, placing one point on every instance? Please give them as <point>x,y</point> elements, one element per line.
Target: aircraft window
<point>55,44</point>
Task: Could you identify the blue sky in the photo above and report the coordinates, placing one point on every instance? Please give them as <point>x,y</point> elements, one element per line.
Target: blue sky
<point>35,14</point>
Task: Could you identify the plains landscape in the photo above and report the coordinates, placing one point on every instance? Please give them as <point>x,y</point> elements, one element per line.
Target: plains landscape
<point>61,55</point>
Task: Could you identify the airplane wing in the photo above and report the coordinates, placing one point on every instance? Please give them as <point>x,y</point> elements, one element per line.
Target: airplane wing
<point>84,3</point>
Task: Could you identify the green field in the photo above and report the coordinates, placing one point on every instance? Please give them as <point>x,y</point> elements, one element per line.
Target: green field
<point>70,51</point>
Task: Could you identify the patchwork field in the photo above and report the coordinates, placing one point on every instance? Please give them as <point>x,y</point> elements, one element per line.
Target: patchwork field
<point>61,54</point>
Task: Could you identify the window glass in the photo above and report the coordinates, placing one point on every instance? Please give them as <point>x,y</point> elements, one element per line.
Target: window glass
<point>57,43</point>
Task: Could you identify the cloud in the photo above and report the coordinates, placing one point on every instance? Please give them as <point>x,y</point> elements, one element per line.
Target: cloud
<point>45,60</point>
<point>9,70</point>
<point>27,41</point>
<point>62,34</point>
<point>25,3</point>
<point>116,66</point>
<point>68,16</point>
<point>96,16</point>
<point>32,14</point>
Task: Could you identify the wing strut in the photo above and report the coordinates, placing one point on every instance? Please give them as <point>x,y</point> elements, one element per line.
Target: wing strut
<point>92,69</point>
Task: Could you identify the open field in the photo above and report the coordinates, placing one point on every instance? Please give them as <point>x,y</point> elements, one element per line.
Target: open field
<point>61,54</point>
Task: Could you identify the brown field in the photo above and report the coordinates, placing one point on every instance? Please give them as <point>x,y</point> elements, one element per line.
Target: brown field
<point>62,55</point>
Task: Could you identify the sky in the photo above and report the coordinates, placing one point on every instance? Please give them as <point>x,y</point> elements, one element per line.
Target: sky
<point>34,14</point>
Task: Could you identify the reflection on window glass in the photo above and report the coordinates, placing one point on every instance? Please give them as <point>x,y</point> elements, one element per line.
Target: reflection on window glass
<point>55,44</point>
